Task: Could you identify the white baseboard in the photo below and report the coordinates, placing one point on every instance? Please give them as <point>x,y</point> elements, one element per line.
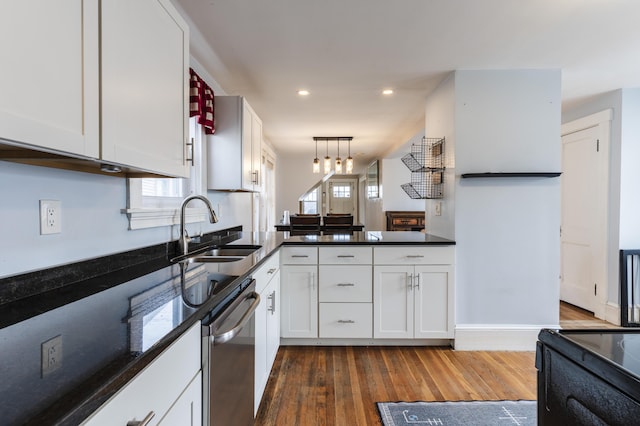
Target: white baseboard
<point>612,313</point>
<point>498,337</point>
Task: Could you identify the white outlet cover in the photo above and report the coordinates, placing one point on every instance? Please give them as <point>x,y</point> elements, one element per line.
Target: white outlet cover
<point>50,217</point>
<point>51,355</point>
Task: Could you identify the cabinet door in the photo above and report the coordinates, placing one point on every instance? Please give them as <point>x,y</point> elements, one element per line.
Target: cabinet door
<point>393,302</point>
<point>50,76</point>
<point>187,410</point>
<point>157,387</point>
<point>433,288</point>
<point>261,374</point>
<point>256,151</point>
<point>144,71</point>
<point>299,301</point>
<point>247,159</point>
<point>273,321</point>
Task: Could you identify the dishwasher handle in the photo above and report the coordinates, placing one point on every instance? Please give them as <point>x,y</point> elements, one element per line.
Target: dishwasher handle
<point>219,339</point>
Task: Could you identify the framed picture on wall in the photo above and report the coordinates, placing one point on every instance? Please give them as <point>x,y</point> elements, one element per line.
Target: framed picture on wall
<point>373,180</point>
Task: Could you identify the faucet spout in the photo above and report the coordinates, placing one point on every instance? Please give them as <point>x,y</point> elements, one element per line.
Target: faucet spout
<point>184,237</point>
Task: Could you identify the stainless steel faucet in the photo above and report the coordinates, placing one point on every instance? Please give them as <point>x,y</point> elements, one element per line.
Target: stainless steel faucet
<point>184,237</point>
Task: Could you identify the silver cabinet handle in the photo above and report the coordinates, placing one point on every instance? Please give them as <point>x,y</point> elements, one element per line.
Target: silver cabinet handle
<point>346,285</point>
<point>255,177</point>
<point>143,422</point>
<point>346,322</point>
<point>271,271</point>
<point>272,308</point>
<point>299,255</point>
<point>345,255</point>
<point>417,281</point>
<point>193,157</point>
<point>414,256</point>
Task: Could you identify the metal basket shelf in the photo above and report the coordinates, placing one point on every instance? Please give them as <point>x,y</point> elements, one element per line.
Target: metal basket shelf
<point>426,162</point>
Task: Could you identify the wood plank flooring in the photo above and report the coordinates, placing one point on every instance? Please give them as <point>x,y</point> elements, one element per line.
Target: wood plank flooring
<point>318,385</point>
<point>315,385</point>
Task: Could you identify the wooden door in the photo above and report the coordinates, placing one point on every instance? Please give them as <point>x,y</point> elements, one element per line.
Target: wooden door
<point>342,196</point>
<point>581,220</point>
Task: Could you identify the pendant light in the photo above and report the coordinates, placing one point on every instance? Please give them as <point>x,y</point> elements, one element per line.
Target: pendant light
<point>327,160</point>
<point>338,160</point>
<point>316,161</point>
<point>349,160</point>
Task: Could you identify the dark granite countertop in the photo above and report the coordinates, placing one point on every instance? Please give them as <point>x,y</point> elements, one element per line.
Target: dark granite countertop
<point>370,238</point>
<point>116,314</point>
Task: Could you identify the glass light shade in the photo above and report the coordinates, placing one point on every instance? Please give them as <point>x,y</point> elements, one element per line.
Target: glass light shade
<point>349,165</point>
<point>327,165</point>
<point>338,165</point>
<point>316,165</point>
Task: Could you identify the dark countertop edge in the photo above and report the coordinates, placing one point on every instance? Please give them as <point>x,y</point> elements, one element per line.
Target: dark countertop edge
<point>79,404</point>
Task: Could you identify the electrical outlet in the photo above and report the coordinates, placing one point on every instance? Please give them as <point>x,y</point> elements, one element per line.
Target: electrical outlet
<point>51,355</point>
<point>50,217</point>
<point>438,208</point>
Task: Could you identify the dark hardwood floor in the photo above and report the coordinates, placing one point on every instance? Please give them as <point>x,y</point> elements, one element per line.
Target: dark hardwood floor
<point>318,385</point>
<point>315,385</point>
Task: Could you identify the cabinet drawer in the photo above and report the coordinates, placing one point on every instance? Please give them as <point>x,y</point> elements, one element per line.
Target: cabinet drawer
<point>156,387</point>
<point>350,255</point>
<point>413,255</point>
<point>351,320</point>
<point>299,255</point>
<point>405,221</point>
<point>266,272</point>
<point>345,283</point>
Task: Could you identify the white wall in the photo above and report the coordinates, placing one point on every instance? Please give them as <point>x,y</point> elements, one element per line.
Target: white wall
<point>440,122</point>
<point>92,222</point>
<point>396,174</point>
<point>630,170</point>
<point>506,230</point>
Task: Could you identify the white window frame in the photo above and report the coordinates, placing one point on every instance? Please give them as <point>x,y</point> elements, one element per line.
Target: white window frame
<point>149,212</point>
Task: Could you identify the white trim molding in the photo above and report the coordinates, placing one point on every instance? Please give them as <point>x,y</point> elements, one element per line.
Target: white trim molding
<point>149,218</point>
<point>599,118</point>
<point>612,313</point>
<point>498,337</point>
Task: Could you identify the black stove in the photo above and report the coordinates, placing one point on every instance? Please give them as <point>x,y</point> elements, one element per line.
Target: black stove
<point>588,377</point>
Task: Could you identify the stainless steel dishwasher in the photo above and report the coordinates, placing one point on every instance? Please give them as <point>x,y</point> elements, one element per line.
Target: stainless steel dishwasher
<point>229,359</point>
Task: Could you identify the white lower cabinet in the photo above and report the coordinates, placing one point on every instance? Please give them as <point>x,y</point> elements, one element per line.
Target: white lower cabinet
<point>170,388</point>
<point>299,300</point>
<point>187,410</point>
<point>267,317</point>
<point>299,292</point>
<point>345,320</point>
<point>367,292</point>
<point>413,300</point>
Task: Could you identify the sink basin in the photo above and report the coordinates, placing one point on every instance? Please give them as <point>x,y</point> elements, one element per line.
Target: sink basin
<point>222,254</point>
<point>241,251</point>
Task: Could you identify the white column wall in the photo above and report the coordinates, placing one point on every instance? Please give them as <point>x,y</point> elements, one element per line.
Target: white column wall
<point>506,229</point>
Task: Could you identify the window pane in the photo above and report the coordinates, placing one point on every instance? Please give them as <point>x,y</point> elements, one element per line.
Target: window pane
<point>341,191</point>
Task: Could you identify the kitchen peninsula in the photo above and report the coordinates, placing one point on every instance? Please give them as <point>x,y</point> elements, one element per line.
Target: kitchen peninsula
<point>112,334</point>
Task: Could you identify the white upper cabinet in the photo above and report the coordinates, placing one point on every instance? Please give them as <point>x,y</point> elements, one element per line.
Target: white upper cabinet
<point>144,71</point>
<point>49,86</point>
<point>235,149</point>
<point>106,81</point>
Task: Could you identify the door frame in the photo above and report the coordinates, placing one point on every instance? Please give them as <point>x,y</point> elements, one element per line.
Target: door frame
<point>602,253</point>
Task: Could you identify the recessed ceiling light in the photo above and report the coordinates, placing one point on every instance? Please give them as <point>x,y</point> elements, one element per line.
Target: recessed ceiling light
<point>303,92</point>
<point>387,92</point>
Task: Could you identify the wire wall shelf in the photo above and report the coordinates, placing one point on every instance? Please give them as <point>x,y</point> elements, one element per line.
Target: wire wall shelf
<point>426,162</point>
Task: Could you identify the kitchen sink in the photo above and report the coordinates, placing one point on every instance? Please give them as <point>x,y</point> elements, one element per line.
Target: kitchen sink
<point>220,254</point>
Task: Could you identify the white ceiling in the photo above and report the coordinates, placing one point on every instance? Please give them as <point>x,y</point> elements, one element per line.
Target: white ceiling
<point>346,51</point>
